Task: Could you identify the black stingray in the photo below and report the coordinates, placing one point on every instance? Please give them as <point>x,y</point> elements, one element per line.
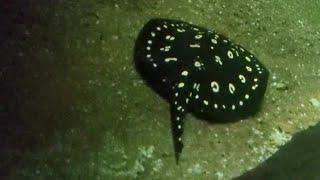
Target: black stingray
<point>199,71</point>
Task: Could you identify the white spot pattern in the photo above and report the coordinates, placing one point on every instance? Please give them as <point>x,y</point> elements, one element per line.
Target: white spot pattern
<point>242,78</point>
<point>215,86</point>
<point>218,59</point>
<point>249,68</point>
<point>231,88</point>
<point>230,54</point>
<point>199,36</point>
<point>194,45</point>
<point>184,73</point>
<point>181,30</point>
<point>197,64</point>
<point>214,41</point>
<point>181,85</point>
<point>170,59</point>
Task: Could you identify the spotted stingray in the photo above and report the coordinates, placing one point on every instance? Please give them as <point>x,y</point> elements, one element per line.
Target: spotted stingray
<point>199,71</point>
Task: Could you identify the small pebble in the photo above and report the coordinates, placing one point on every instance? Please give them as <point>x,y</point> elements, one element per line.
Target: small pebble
<point>315,102</point>
<point>280,86</point>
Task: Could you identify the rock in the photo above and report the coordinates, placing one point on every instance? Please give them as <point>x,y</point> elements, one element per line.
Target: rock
<point>195,169</point>
<point>280,86</point>
<point>279,138</point>
<point>315,102</point>
<point>219,175</point>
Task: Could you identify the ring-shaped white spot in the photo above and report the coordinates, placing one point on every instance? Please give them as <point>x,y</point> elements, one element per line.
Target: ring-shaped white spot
<point>184,73</point>
<point>197,64</point>
<point>230,54</point>
<point>215,86</point>
<point>242,78</point>
<point>249,68</point>
<point>231,88</point>
<point>180,85</point>
<point>199,36</point>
